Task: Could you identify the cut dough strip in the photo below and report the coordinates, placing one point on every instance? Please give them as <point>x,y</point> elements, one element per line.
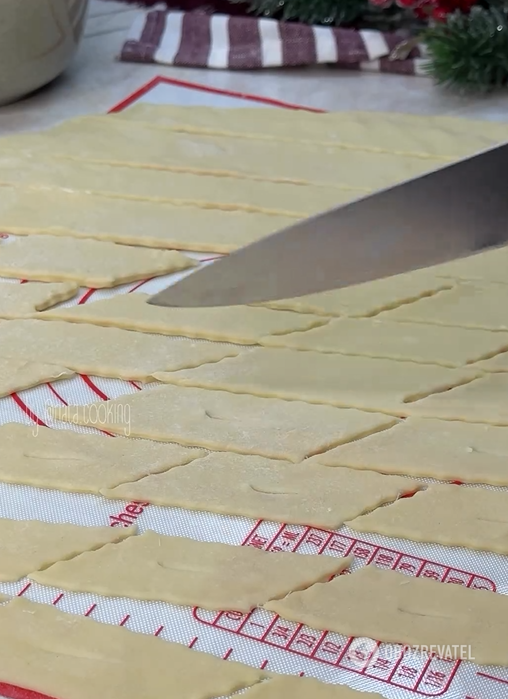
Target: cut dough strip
<point>23,300</point>
<point>450,515</point>
<point>243,325</point>
<point>429,448</point>
<point>251,486</point>
<point>395,608</point>
<point>30,211</point>
<point>102,139</point>
<point>18,375</point>
<point>87,262</point>
<point>367,299</point>
<point>227,422</point>
<point>61,655</point>
<point>304,688</point>
<point>29,546</point>
<point>82,463</point>
<point>89,349</point>
<point>178,188</point>
<point>380,385</point>
<point>425,344</point>
<point>188,572</point>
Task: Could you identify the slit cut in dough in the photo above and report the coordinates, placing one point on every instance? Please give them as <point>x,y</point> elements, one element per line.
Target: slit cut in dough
<point>243,325</point>
<point>424,344</point>
<point>89,349</point>
<point>28,211</point>
<point>18,375</point>
<point>304,688</point>
<point>102,139</point>
<point>251,486</point>
<point>186,572</point>
<point>484,267</point>
<point>57,654</point>
<point>224,422</point>
<point>451,515</point>
<point>90,263</point>
<point>380,385</point>
<point>429,448</point>
<point>82,463</point>
<point>394,608</point>
<point>23,300</point>
<point>366,300</point>
<point>29,546</point>
<point>465,306</point>
<point>178,188</point>
<point>482,400</point>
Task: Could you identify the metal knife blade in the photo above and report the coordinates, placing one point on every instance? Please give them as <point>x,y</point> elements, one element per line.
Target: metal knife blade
<point>440,216</point>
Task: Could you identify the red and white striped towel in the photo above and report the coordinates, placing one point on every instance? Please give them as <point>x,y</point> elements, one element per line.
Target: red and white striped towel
<point>201,40</point>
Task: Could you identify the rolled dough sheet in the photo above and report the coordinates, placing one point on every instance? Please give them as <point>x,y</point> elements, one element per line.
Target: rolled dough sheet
<point>466,306</point>
<point>396,608</point>
<point>451,515</point>
<point>18,375</point>
<point>304,688</point>
<point>73,657</point>
<point>251,486</point>
<point>483,268</point>
<point>102,139</point>
<point>367,299</point>
<point>496,364</point>
<point>28,546</point>
<point>23,300</point>
<point>223,193</point>
<point>381,385</point>
<point>30,211</point>
<point>243,325</point>
<point>82,463</point>
<point>191,573</point>
<point>429,448</point>
<point>399,134</point>
<point>90,349</point>
<point>227,422</point>
<point>483,400</point>
<point>369,337</point>
<point>87,262</point>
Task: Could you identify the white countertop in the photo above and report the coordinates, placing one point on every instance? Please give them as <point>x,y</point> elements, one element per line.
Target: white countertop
<point>96,81</point>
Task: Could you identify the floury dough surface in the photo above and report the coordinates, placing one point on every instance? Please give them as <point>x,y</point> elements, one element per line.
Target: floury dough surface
<point>192,573</point>
<point>414,612</point>
<point>370,337</point>
<point>304,688</point>
<point>23,300</point>
<point>18,374</point>
<point>258,488</point>
<point>28,546</point>
<point>62,655</point>
<point>226,422</point>
<point>31,211</point>
<point>87,262</point>
<point>379,385</point>
<point>82,463</point>
<point>440,449</point>
<point>451,515</point>
<point>110,352</point>
<point>243,325</point>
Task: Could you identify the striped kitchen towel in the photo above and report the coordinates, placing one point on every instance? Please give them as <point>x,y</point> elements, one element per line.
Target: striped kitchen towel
<point>202,40</point>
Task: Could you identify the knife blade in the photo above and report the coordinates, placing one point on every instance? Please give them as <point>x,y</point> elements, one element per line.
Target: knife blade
<point>443,215</point>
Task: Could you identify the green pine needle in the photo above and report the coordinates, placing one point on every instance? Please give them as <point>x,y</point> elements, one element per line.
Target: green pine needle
<point>470,52</point>
<point>336,12</point>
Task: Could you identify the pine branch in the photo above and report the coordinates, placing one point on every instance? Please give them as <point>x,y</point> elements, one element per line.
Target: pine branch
<point>338,12</point>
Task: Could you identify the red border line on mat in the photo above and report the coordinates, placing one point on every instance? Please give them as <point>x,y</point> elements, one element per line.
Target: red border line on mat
<point>162,80</point>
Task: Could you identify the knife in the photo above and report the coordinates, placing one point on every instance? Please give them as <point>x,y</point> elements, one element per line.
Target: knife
<point>443,215</point>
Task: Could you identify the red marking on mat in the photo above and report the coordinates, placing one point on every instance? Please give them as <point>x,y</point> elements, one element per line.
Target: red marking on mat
<point>22,592</point>
<point>193,642</point>
<point>125,619</point>
<point>492,677</point>
<point>88,293</point>
<point>140,284</point>
<point>227,654</point>
<point>94,388</point>
<point>129,515</point>
<point>263,664</point>
<point>57,599</point>
<point>162,80</point>
<point>29,413</point>
<point>55,392</point>
<point>456,483</point>
<point>133,383</point>
<point>23,281</point>
<point>90,610</point>
<point>7,690</point>
<point>159,631</point>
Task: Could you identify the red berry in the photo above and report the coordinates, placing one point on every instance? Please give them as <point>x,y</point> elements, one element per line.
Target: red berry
<point>440,14</point>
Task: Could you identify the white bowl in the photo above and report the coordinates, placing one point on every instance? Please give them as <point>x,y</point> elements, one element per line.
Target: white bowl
<point>38,38</point>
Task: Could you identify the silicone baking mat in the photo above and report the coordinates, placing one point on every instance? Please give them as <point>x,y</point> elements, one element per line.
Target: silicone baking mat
<point>260,639</point>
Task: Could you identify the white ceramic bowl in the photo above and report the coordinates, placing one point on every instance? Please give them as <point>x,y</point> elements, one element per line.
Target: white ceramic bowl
<point>38,38</point>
